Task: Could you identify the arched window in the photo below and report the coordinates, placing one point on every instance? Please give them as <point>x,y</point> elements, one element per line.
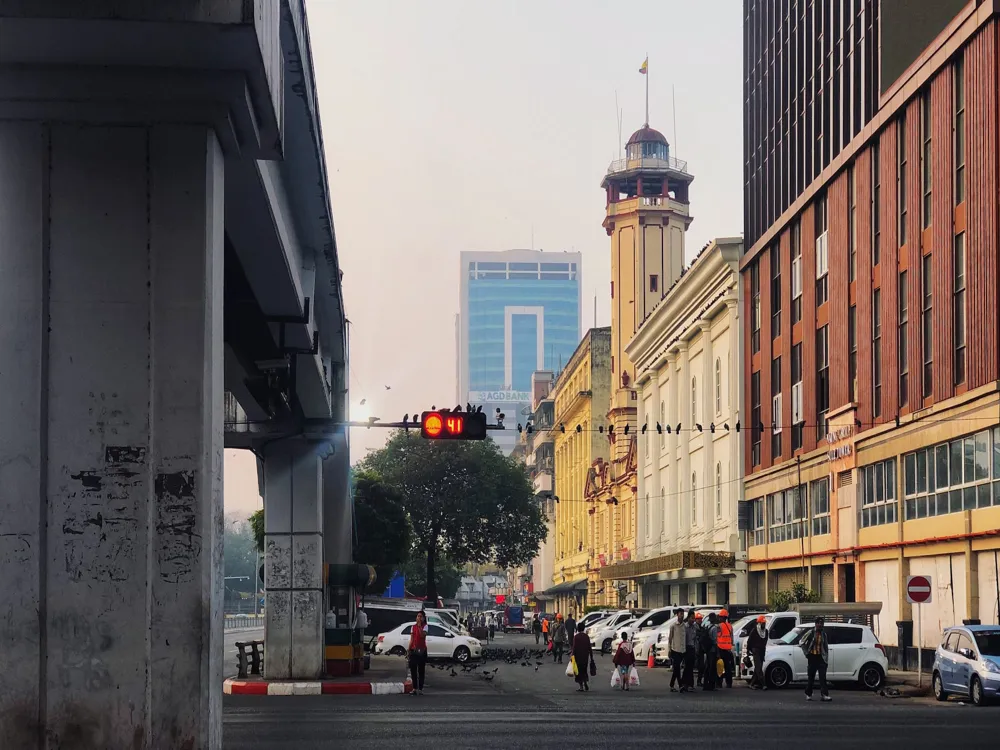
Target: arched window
<point>718,490</point>
<point>694,499</point>
<point>718,386</point>
<point>694,401</point>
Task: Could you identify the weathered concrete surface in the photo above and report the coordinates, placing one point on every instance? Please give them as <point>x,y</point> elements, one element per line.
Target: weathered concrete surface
<point>111,247</point>
<point>338,508</point>
<point>293,560</point>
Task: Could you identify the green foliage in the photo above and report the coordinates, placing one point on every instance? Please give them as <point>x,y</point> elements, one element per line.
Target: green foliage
<point>780,601</point>
<point>447,576</point>
<point>239,557</point>
<point>257,528</point>
<point>466,501</point>
<point>384,537</point>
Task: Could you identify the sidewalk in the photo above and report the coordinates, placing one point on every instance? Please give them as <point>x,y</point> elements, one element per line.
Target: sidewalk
<point>906,683</point>
<point>384,678</point>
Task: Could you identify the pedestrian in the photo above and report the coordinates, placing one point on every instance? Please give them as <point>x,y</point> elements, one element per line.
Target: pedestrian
<point>757,646</point>
<point>545,630</point>
<point>624,659</point>
<point>699,663</point>
<point>709,645</point>
<point>536,627</point>
<point>691,632</point>
<point>724,642</point>
<point>677,644</point>
<point>417,653</point>
<point>571,626</point>
<point>559,640</point>
<point>582,655</point>
<point>815,644</point>
<point>493,628</point>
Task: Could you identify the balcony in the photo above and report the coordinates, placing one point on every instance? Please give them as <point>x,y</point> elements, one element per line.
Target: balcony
<point>626,165</point>
<point>543,482</point>
<point>688,560</point>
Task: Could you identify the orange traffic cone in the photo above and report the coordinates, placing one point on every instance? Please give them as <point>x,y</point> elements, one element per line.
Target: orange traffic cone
<point>650,662</point>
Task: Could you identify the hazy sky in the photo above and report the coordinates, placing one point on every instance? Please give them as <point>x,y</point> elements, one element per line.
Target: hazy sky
<point>457,125</point>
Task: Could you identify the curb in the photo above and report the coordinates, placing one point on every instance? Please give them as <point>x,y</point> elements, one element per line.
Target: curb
<point>262,687</point>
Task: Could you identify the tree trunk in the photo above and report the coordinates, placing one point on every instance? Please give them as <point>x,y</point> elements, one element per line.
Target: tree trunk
<point>432,595</point>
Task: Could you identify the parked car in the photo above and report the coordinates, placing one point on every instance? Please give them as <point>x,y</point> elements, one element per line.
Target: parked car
<point>604,634</point>
<point>658,637</point>
<point>608,623</point>
<point>855,656</point>
<point>594,617</point>
<point>967,663</point>
<point>778,625</point>
<point>442,643</point>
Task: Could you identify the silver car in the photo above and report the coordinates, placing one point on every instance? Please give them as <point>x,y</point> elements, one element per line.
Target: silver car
<point>967,663</point>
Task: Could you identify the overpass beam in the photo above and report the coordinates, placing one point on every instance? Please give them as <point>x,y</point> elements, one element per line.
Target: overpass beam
<point>111,378</point>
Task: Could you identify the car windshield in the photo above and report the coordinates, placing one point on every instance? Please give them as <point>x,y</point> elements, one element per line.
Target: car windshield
<point>792,636</point>
<point>988,642</point>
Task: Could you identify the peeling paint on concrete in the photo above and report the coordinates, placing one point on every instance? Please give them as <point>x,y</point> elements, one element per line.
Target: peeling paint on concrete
<point>178,541</point>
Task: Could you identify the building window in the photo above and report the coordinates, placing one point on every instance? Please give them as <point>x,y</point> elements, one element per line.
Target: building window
<point>959,475</point>
<point>798,415</point>
<point>903,347</point>
<point>958,325</point>
<point>694,401</point>
<point>876,200</point>
<point>852,350</point>
<point>718,490</point>
<point>927,325</point>
<point>694,499</point>
<point>877,353</point>
<point>787,515</point>
<point>819,500</point>
<point>775,408</point>
<point>755,308</point>
<point>759,514</point>
<point>822,379</point>
<point>822,252</point>
<point>661,424</point>
<point>796,272</point>
<point>901,180</point>
<point>755,418</point>
<point>775,291</point>
<point>654,283</point>
<point>718,386</point>
<point>958,136</point>
<point>851,238</point>
<point>925,155</point>
<point>878,493</point>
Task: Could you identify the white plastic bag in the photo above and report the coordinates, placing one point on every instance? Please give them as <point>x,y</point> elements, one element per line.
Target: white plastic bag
<point>569,669</point>
<point>633,677</point>
<point>616,679</point>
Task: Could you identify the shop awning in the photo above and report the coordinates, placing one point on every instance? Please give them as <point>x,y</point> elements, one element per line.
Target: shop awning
<point>567,587</point>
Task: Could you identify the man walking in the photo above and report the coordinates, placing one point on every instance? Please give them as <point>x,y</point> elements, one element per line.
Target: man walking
<point>699,657</point>
<point>559,640</point>
<point>815,644</point>
<point>677,643</point>
<point>691,633</point>
<point>536,627</point>
<point>724,642</point>
<point>570,627</point>
<point>709,647</point>
<point>757,646</point>
<point>545,630</point>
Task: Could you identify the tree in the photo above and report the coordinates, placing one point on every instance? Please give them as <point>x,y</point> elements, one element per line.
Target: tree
<point>465,499</point>
<point>447,576</point>
<point>383,529</point>
<point>257,528</point>
<point>780,601</point>
<point>239,556</point>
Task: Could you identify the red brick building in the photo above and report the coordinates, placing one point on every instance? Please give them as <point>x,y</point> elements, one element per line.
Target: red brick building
<point>873,209</point>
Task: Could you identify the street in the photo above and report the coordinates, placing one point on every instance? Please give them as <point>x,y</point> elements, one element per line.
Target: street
<point>518,706</point>
<point>229,647</point>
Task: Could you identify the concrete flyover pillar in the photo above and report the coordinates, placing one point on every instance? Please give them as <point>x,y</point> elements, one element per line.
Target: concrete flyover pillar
<point>111,378</point>
<point>293,559</point>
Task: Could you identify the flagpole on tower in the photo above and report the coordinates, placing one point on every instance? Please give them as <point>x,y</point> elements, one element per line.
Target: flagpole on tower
<point>646,66</point>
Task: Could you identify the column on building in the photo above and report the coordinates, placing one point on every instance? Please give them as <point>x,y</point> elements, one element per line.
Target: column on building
<point>684,409</point>
<point>654,488</point>
<point>732,371</point>
<point>111,442</point>
<point>673,446</point>
<point>293,559</point>
<point>708,418</point>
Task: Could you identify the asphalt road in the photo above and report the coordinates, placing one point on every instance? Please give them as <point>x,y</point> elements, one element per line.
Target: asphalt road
<point>519,706</point>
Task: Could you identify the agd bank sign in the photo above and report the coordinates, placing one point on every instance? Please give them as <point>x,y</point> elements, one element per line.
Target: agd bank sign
<point>499,397</point>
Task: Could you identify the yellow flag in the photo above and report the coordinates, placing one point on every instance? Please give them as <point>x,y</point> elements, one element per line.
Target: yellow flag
<point>645,65</point>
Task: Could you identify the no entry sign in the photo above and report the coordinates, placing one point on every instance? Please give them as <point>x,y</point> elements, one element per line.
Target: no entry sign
<point>918,589</point>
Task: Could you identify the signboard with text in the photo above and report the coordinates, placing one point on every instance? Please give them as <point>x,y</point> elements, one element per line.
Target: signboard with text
<point>499,397</point>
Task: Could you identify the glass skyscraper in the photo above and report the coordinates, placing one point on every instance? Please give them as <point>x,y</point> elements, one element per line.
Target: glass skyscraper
<point>520,312</point>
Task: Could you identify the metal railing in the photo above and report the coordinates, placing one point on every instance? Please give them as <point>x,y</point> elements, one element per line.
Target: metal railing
<point>623,165</point>
<point>249,657</point>
<point>236,622</point>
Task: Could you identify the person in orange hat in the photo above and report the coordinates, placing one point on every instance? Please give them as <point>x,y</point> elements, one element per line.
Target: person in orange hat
<point>724,642</point>
<point>559,639</point>
<point>757,646</point>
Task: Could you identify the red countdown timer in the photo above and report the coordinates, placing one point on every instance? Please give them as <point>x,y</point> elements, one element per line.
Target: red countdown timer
<point>452,426</point>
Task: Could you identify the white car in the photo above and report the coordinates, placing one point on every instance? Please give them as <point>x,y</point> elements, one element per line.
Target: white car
<point>778,625</point>
<point>442,643</point>
<point>604,635</point>
<point>592,618</point>
<point>855,656</point>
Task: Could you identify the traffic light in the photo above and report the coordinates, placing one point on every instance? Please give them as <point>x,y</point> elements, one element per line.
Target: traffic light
<point>438,425</point>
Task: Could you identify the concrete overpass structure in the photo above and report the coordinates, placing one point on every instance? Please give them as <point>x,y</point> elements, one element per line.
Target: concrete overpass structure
<point>168,268</point>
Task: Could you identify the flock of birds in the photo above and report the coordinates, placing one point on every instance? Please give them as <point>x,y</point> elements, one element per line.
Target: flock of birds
<point>524,657</point>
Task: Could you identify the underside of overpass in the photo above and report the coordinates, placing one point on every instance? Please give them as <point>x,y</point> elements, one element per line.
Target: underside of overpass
<point>169,286</point>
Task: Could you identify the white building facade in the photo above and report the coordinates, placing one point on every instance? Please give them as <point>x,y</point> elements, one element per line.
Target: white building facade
<point>688,361</point>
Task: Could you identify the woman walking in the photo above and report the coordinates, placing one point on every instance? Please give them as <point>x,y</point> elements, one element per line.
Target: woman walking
<point>582,654</point>
<point>417,652</point>
<point>624,659</point>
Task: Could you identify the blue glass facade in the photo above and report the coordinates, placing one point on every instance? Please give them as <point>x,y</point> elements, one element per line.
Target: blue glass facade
<point>499,291</point>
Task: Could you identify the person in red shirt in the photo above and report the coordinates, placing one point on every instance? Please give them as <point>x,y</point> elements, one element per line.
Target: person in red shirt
<point>624,659</point>
<point>418,653</point>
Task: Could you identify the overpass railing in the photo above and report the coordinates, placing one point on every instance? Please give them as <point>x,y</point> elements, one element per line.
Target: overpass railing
<point>237,622</point>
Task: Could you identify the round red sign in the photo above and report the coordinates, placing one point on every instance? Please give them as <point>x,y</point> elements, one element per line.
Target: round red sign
<point>918,589</point>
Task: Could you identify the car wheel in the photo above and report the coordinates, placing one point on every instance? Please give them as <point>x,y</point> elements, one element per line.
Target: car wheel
<point>976,692</point>
<point>462,654</point>
<point>779,675</point>
<point>871,676</point>
<point>937,685</point>
<point>397,651</point>
<point>606,646</point>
